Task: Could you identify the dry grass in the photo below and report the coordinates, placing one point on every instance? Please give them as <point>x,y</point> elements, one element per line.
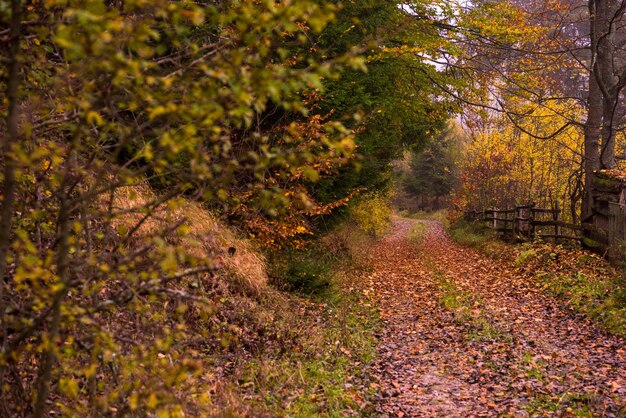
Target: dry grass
<point>263,352</point>
<point>350,243</point>
<point>200,233</point>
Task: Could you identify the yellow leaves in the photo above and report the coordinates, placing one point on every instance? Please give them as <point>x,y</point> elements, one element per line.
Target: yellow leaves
<point>504,21</point>
<point>91,370</point>
<point>372,213</point>
<point>94,118</point>
<point>196,16</point>
<point>113,75</point>
<point>69,387</point>
<point>503,164</point>
<point>301,229</point>
<point>167,82</point>
<point>77,227</point>
<point>106,37</point>
<point>153,401</point>
<point>122,229</point>
<point>222,195</point>
<point>133,401</point>
<point>395,52</point>
<point>161,110</point>
<point>169,263</point>
<point>348,144</point>
<point>155,112</point>
<point>310,174</point>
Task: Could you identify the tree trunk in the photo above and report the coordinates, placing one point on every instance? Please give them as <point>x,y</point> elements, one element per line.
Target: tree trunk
<point>49,353</point>
<point>607,154</point>
<point>8,159</point>
<point>592,143</point>
<point>607,63</point>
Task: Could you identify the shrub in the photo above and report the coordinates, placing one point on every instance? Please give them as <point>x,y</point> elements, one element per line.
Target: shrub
<point>307,271</point>
<point>372,213</point>
<point>525,256</point>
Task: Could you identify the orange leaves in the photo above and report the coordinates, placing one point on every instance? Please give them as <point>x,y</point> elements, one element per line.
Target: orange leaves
<point>328,208</point>
<point>275,233</point>
<point>294,227</point>
<point>515,351</point>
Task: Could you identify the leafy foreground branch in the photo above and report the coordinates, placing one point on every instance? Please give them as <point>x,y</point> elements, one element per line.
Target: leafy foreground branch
<point>201,340</point>
<point>123,122</point>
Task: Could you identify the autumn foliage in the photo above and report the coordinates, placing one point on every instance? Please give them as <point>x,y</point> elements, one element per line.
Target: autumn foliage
<point>168,166</point>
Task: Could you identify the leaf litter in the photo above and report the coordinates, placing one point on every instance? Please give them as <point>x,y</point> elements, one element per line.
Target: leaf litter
<point>466,335</point>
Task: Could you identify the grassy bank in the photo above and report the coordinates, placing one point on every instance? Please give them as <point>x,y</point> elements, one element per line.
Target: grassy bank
<point>317,338</point>
<point>260,334</point>
<point>586,282</point>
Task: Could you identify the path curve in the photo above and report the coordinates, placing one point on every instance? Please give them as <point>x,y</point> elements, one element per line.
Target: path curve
<point>464,336</point>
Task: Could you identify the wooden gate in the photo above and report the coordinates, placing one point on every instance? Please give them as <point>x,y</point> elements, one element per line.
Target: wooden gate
<point>617,230</point>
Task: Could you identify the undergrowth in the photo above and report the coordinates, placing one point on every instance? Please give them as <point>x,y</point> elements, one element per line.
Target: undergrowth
<point>477,235</point>
<point>440,215</point>
<point>416,233</point>
<point>371,213</point>
<point>307,272</point>
<point>586,282</point>
<point>295,347</point>
<point>321,373</point>
<point>324,333</point>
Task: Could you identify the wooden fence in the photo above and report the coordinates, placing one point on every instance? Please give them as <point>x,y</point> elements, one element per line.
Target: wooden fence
<point>527,222</point>
<point>616,234</point>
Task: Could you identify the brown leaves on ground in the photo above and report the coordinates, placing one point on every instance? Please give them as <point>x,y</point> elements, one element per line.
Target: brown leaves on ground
<point>466,335</point>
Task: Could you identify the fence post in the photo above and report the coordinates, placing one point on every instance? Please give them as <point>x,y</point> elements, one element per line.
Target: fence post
<point>515,216</point>
<point>524,218</point>
<point>531,221</point>
<point>512,223</point>
<point>557,218</point>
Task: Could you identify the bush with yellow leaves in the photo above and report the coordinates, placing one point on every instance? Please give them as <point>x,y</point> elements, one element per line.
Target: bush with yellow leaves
<point>372,213</point>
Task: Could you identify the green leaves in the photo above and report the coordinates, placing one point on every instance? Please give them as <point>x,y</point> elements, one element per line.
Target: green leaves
<point>172,96</point>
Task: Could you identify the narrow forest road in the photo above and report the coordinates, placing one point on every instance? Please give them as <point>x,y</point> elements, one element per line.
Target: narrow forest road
<point>463,336</point>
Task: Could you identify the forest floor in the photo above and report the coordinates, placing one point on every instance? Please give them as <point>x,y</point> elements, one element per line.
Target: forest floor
<point>464,335</point>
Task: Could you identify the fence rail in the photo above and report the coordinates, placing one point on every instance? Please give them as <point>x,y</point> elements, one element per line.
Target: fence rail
<point>603,229</point>
<point>527,222</point>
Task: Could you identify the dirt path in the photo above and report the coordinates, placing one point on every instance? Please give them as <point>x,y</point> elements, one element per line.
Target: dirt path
<point>463,336</point>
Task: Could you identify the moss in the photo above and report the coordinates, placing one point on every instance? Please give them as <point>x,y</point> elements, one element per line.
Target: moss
<point>590,243</point>
<point>576,404</point>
